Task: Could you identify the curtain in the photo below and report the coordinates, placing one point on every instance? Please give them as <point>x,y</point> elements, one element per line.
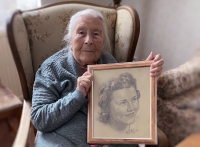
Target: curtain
<point>8,6</point>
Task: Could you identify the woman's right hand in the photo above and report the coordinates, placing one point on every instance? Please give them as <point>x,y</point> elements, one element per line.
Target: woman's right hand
<point>84,82</point>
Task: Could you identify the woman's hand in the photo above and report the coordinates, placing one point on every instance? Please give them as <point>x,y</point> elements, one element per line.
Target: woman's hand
<point>84,82</point>
<point>157,65</point>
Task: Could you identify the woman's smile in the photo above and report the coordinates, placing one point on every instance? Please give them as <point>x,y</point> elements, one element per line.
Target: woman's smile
<point>130,115</point>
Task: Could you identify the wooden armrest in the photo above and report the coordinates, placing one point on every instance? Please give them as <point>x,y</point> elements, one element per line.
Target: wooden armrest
<point>24,126</point>
<point>162,140</point>
<point>191,141</point>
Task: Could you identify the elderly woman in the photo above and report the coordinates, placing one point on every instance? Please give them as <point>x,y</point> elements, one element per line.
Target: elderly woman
<point>59,102</point>
<point>117,109</point>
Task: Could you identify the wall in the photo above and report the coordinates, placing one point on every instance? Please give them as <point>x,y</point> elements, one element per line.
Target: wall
<point>8,71</point>
<point>170,28</point>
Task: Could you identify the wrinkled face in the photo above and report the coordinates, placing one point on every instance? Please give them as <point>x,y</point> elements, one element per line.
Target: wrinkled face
<point>124,105</point>
<point>87,40</point>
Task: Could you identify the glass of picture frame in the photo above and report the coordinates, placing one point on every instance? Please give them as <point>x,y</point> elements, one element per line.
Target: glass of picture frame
<point>122,104</point>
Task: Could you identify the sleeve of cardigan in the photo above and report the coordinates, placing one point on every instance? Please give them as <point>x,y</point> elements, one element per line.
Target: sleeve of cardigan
<point>49,109</point>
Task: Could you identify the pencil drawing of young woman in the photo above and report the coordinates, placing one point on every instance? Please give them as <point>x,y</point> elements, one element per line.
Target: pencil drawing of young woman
<point>119,103</point>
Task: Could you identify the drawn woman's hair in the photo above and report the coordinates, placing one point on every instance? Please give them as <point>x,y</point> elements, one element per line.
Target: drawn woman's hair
<point>125,80</point>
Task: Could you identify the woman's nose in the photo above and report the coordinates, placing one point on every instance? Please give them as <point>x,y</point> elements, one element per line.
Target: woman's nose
<point>88,40</point>
<point>130,107</point>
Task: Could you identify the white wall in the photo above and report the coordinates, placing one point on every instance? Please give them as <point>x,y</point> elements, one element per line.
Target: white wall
<point>168,27</point>
<point>8,71</point>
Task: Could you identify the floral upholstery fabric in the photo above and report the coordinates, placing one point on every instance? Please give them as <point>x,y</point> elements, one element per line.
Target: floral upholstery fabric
<point>176,123</point>
<point>176,86</point>
<point>46,29</point>
<point>39,33</point>
<point>123,32</point>
<point>180,79</point>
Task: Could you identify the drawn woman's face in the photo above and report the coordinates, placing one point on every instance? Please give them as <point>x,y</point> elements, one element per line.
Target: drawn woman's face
<point>124,106</point>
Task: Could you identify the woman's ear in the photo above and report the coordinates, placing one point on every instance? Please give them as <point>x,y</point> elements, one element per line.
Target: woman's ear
<point>138,93</point>
<point>69,41</point>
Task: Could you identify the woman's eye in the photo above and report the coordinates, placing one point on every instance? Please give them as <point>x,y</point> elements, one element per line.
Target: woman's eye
<point>122,103</point>
<point>134,99</point>
<point>96,33</point>
<point>81,32</point>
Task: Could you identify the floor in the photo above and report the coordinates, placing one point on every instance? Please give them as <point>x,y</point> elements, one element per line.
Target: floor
<point>7,134</point>
<point>8,130</point>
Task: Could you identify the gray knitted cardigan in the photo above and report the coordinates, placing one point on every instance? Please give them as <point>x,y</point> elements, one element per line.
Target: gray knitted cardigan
<point>59,110</point>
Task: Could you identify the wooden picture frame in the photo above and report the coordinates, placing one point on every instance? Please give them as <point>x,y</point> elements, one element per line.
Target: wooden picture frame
<point>118,115</point>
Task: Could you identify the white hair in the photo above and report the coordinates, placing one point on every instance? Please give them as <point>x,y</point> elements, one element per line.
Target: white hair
<point>87,12</point>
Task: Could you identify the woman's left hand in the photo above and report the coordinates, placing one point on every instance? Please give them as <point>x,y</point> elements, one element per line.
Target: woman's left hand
<point>157,65</point>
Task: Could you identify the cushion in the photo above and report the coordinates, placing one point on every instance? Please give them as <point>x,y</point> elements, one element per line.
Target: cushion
<point>180,79</point>
<point>176,123</point>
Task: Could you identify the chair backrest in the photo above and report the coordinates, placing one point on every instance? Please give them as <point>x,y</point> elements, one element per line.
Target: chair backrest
<point>34,35</point>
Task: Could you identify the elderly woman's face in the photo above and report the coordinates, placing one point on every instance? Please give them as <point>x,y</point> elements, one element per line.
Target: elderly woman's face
<point>87,40</point>
<point>124,106</point>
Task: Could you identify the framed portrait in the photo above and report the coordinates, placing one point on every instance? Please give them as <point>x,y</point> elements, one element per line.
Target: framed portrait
<point>122,104</point>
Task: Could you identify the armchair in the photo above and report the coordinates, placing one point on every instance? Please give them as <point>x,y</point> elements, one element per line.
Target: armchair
<point>34,35</point>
